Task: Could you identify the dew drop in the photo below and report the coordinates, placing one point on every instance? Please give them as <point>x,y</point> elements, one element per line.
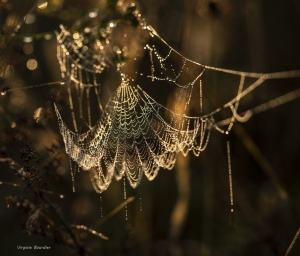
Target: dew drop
<point>140,197</point>
<point>101,210</point>
<point>125,197</point>
<point>73,184</point>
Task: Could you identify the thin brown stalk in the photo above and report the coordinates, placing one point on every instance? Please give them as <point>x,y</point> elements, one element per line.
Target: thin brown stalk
<point>114,211</point>
<point>74,238</point>
<point>292,243</point>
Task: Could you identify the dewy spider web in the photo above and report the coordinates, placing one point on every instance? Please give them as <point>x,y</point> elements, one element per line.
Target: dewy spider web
<point>132,137</point>
<point>233,103</point>
<point>82,58</point>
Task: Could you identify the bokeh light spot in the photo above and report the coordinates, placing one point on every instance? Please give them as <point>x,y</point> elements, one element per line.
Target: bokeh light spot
<point>32,64</point>
<point>61,170</point>
<point>28,48</point>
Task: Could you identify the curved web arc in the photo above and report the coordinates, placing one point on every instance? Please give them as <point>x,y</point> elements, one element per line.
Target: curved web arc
<point>261,78</point>
<point>81,148</point>
<point>266,76</point>
<point>124,146</point>
<point>132,138</point>
<point>174,130</point>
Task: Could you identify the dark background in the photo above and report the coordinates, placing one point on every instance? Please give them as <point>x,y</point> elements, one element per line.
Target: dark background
<point>247,35</point>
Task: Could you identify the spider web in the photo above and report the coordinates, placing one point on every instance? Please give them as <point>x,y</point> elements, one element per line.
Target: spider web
<point>133,136</point>
<point>133,139</point>
<point>82,57</point>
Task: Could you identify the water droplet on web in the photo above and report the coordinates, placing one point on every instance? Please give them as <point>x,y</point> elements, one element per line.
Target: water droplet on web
<point>3,93</point>
<point>101,210</point>
<point>73,184</point>
<point>62,82</point>
<point>230,175</point>
<point>125,197</point>
<point>140,198</point>
<point>72,175</point>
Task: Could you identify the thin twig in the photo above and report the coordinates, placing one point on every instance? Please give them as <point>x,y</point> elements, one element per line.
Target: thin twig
<point>40,193</point>
<point>10,184</point>
<point>90,230</point>
<point>65,224</point>
<point>12,164</point>
<point>32,86</point>
<point>292,243</point>
<point>114,211</point>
